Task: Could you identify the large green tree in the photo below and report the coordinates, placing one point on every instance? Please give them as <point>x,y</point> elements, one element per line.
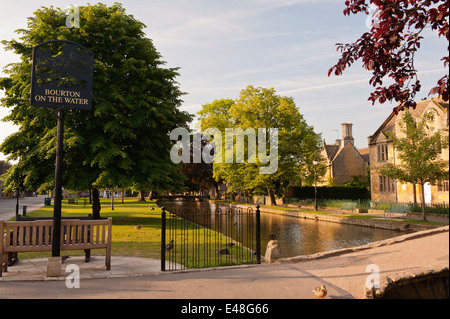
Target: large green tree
<point>124,140</point>
<point>262,108</point>
<point>419,151</point>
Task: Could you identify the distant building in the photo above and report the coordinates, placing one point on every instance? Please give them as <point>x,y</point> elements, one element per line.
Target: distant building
<point>344,161</point>
<point>382,151</point>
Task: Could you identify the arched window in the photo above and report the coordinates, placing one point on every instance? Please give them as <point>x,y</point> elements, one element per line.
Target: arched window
<point>433,125</point>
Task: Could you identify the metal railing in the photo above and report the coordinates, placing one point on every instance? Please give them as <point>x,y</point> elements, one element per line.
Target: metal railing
<point>194,238</point>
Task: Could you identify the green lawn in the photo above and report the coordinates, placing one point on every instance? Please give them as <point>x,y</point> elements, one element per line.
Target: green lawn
<point>126,239</point>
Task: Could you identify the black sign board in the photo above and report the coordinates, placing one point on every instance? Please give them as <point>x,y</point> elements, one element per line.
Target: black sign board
<point>61,75</point>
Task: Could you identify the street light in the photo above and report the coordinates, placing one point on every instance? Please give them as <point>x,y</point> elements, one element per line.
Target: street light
<point>315,183</point>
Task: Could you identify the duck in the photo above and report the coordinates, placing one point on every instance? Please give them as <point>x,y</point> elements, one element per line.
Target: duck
<point>320,292</point>
<point>138,227</point>
<point>170,245</point>
<point>230,244</point>
<point>151,208</point>
<point>223,251</point>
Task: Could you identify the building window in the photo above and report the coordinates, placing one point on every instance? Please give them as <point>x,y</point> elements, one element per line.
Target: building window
<point>434,122</point>
<point>383,155</point>
<point>443,186</point>
<point>387,185</point>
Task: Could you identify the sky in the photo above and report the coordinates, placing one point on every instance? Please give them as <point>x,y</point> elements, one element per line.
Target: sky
<point>223,46</point>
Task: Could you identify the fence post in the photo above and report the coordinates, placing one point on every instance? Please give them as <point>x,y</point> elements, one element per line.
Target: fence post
<point>258,235</point>
<point>163,239</point>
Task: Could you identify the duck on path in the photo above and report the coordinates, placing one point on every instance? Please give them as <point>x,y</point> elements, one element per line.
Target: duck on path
<point>320,292</point>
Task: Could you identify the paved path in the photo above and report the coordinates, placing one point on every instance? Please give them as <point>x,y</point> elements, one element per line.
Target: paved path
<point>8,206</point>
<point>343,272</point>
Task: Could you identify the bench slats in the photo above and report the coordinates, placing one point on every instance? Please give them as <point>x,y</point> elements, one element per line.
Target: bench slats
<point>30,236</point>
<point>398,209</point>
<point>97,235</point>
<point>348,206</point>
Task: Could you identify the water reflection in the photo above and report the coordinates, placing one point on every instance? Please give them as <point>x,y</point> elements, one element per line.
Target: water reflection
<point>300,236</point>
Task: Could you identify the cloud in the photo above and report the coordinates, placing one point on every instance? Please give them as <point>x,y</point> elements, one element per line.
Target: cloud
<point>324,86</point>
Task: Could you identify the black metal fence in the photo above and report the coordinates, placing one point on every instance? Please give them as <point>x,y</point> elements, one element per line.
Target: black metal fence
<point>194,238</point>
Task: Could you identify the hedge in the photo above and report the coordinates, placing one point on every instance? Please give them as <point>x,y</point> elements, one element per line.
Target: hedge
<point>325,192</point>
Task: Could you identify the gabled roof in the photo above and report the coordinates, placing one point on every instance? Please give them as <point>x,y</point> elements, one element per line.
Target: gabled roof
<point>364,152</point>
<point>416,113</point>
<point>349,145</point>
<point>331,150</point>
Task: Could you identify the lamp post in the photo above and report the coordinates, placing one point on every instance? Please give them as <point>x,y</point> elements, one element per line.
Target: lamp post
<point>315,183</point>
<point>17,203</point>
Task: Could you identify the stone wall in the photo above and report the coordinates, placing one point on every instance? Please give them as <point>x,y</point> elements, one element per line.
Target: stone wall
<point>347,164</point>
<point>419,284</point>
<point>384,224</point>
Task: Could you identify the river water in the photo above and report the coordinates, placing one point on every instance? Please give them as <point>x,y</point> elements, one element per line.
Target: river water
<point>298,236</point>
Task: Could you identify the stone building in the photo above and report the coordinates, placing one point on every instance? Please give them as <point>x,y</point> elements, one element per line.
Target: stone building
<point>344,161</point>
<point>382,151</point>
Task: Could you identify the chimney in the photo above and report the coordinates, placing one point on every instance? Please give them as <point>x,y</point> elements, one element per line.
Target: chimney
<point>347,136</point>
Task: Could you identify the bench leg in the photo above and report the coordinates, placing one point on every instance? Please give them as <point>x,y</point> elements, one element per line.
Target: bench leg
<point>87,255</point>
<point>12,258</point>
<point>4,262</point>
<point>1,264</point>
<point>108,258</point>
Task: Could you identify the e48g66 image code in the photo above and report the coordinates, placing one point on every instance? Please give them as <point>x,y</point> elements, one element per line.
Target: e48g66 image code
<point>246,308</point>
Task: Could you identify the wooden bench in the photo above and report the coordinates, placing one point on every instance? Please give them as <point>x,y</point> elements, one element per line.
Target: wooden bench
<point>404,210</point>
<point>72,201</point>
<point>261,201</point>
<point>36,236</point>
<point>348,206</point>
<point>13,257</point>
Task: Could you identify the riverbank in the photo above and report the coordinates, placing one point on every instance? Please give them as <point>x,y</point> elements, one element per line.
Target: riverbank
<point>372,219</point>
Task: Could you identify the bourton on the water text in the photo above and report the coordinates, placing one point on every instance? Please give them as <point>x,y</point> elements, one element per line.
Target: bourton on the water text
<point>62,96</point>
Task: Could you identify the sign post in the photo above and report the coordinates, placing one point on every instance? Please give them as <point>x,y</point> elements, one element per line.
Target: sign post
<point>56,243</point>
<point>61,77</point>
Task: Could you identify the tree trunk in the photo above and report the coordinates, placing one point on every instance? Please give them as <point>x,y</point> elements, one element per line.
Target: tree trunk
<point>141,196</point>
<point>216,188</point>
<point>414,194</point>
<point>112,199</point>
<point>96,204</point>
<point>123,194</point>
<point>423,201</point>
<point>271,193</point>
<point>152,195</point>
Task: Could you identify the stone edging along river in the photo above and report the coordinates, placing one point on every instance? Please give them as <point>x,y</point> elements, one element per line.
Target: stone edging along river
<point>375,223</point>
